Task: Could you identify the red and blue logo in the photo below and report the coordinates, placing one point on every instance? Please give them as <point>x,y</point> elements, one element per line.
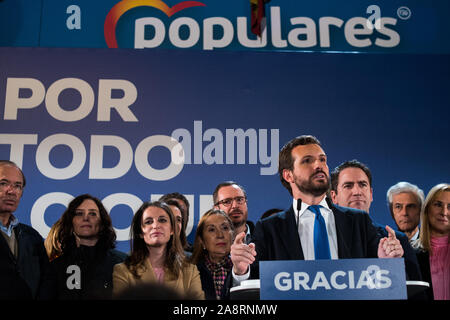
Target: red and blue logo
<point>125,5</point>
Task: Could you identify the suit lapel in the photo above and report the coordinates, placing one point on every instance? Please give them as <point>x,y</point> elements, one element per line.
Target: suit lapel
<point>148,275</point>
<point>343,233</point>
<point>289,234</point>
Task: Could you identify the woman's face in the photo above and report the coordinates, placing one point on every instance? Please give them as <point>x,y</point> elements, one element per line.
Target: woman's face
<point>86,220</point>
<point>156,227</point>
<point>217,235</point>
<point>439,214</point>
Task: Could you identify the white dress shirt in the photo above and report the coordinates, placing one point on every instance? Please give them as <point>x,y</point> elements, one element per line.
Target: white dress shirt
<point>306,228</point>
<point>415,236</point>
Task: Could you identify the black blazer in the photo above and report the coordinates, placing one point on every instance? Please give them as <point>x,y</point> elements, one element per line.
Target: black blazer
<point>276,237</point>
<point>208,283</point>
<point>24,277</point>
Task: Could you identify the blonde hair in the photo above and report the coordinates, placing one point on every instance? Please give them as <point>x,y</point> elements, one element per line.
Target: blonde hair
<point>424,241</point>
<point>52,243</point>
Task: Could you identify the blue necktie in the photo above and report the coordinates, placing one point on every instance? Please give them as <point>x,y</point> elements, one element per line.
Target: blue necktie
<point>321,245</point>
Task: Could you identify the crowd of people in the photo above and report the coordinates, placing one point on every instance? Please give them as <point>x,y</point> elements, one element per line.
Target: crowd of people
<point>328,218</point>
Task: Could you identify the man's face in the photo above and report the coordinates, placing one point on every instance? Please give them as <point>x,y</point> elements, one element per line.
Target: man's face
<point>353,190</point>
<point>406,211</point>
<point>238,212</point>
<point>184,211</point>
<point>310,174</point>
<point>11,185</point>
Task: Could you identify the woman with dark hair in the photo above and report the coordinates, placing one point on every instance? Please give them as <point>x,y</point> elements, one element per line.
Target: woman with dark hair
<point>157,255</point>
<point>87,241</point>
<point>212,245</point>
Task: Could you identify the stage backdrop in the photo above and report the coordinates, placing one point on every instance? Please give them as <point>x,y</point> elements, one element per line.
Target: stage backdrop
<point>129,125</point>
<point>389,26</point>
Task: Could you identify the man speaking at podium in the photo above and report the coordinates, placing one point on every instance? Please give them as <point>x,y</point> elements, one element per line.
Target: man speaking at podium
<point>312,227</point>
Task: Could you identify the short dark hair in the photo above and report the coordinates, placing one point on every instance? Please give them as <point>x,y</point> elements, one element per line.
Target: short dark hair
<point>348,164</point>
<point>179,196</point>
<point>270,212</point>
<point>13,164</point>
<point>183,239</point>
<point>285,160</point>
<point>227,184</point>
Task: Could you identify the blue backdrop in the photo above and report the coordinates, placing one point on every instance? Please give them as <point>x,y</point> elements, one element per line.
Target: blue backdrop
<point>388,111</point>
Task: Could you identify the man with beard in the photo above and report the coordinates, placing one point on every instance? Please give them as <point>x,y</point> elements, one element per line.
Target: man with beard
<point>289,235</point>
<point>231,198</point>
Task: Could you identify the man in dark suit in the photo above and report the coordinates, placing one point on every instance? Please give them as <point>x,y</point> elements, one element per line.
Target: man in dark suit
<point>351,186</point>
<point>289,235</point>
<point>23,260</point>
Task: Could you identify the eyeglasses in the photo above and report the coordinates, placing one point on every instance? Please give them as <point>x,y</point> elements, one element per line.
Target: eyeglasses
<point>228,201</point>
<point>15,186</point>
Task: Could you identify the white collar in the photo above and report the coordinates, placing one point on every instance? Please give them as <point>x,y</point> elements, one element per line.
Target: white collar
<point>305,206</point>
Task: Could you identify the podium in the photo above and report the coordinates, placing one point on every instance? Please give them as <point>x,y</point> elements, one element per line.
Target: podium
<point>415,288</point>
<point>249,289</point>
<point>347,279</point>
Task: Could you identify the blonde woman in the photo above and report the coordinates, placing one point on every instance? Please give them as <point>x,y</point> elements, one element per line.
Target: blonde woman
<point>433,244</point>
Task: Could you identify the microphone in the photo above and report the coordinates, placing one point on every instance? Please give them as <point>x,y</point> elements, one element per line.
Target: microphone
<point>299,206</point>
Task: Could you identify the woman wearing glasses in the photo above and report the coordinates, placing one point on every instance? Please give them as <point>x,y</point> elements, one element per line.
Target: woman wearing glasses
<point>157,255</point>
<point>212,246</point>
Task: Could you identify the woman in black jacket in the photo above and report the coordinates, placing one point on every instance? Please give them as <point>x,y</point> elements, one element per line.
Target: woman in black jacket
<point>212,245</point>
<point>87,240</point>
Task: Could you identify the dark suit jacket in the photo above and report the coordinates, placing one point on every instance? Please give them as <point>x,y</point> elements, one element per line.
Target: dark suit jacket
<point>96,265</point>
<point>24,277</point>
<point>276,237</point>
<point>424,262</point>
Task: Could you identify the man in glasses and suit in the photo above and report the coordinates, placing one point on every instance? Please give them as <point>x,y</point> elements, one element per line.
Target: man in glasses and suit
<point>312,227</point>
<point>24,264</point>
<point>232,198</point>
